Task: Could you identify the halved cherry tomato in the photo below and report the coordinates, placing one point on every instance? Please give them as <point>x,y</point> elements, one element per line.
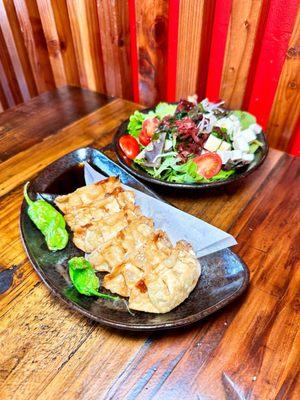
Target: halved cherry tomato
<point>144,139</point>
<point>209,164</point>
<point>149,125</point>
<point>129,145</point>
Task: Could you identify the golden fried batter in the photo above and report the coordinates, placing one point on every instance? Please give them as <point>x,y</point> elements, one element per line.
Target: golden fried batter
<point>141,261</point>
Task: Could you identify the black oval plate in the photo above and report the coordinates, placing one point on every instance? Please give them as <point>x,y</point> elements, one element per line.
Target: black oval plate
<point>224,275</point>
<point>259,158</point>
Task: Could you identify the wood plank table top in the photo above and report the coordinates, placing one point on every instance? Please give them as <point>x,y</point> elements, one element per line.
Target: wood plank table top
<point>249,350</point>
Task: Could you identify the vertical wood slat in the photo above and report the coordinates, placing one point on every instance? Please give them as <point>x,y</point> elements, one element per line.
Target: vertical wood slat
<point>173,19</point>
<point>217,51</point>
<point>114,31</point>
<point>286,106</point>
<point>10,76</point>
<point>278,30</point>
<point>64,32</point>
<point>13,53</point>
<point>188,54</point>
<point>206,40</point>
<point>133,51</point>
<point>20,45</point>
<point>244,20</point>
<point>86,38</point>
<point>294,145</point>
<point>3,99</point>
<point>34,39</point>
<point>5,87</point>
<point>152,27</point>
<point>53,42</point>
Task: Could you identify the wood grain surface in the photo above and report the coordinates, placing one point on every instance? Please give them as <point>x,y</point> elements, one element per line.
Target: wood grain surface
<point>286,107</point>
<point>190,26</point>
<point>9,16</point>
<point>249,350</point>
<point>152,28</point>
<point>86,39</point>
<point>35,43</point>
<point>243,25</point>
<point>115,41</point>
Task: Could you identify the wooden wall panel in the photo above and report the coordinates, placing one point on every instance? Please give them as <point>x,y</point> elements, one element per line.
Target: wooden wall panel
<point>86,37</point>
<point>64,32</point>
<point>115,41</point>
<point>244,21</point>
<point>286,106</point>
<point>53,42</point>
<point>5,87</point>
<point>270,59</point>
<point>3,99</point>
<point>16,65</point>
<point>188,53</point>
<point>152,33</point>
<point>35,43</point>
<point>195,33</point>
<point>149,51</point>
<point>218,43</point>
<point>9,72</point>
<point>9,12</point>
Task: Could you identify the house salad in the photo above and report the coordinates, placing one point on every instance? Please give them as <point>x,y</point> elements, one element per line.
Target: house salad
<point>191,142</point>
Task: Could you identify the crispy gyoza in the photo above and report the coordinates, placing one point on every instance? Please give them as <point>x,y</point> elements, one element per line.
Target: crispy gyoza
<point>87,195</point>
<point>125,244</point>
<point>141,261</point>
<point>159,284</point>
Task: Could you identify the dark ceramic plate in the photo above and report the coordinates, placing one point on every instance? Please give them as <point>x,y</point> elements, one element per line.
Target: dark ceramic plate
<point>224,275</point>
<point>259,158</point>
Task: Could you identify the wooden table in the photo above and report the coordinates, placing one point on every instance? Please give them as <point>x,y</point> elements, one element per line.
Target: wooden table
<point>249,350</point>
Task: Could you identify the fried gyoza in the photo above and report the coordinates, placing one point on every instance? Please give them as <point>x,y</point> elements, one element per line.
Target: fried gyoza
<point>141,261</point>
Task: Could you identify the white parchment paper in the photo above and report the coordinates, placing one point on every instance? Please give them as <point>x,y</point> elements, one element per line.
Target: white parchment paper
<point>204,238</point>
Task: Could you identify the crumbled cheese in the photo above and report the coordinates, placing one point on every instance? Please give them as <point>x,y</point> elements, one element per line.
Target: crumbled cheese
<point>212,143</point>
<point>240,143</point>
<point>224,155</point>
<point>248,157</point>
<point>236,155</point>
<point>225,146</point>
<point>249,135</point>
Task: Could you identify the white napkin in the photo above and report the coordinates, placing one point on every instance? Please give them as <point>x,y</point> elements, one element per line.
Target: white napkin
<point>204,238</point>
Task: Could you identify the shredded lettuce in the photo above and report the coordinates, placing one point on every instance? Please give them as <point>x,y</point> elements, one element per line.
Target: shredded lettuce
<point>163,109</point>
<point>246,119</point>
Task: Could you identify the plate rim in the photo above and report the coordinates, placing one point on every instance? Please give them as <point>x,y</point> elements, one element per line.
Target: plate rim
<point>188,320</point>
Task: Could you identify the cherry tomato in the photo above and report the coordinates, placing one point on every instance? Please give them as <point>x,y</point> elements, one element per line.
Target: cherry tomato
<point>144,139</point>
<point>209,164</point>
<point>149,125</point>
<point>129,145</point>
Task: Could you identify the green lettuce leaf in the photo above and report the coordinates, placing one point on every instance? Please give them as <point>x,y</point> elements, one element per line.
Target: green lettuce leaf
<point>135,123</point>
<point>222,175</point>
<point>163,109</point>
<point>246,119</point>
<point>256,144</point>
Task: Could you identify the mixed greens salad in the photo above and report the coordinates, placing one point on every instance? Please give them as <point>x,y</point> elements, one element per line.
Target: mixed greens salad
<point>191,142</point>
